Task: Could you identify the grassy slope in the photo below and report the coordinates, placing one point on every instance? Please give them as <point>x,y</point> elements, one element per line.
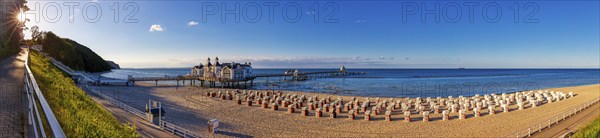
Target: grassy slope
<point>592,130</point>
<point>77,113</point>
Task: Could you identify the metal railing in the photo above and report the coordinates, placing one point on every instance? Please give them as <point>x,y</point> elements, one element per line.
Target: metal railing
<point>67,69</point>
<point>538,127</point>
<point>177,130</point>
<point>34,95</point>
<point>169,127</point>
<point>119,104</point>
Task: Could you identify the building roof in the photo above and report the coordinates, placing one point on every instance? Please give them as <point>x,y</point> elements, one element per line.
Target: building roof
<point>235,65</point>
<point>232,65</point>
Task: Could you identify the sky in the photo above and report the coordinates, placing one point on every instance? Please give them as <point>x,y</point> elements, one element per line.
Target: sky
<point>330,34</point>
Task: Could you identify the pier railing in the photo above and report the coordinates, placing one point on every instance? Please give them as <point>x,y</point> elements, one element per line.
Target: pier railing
<point>35,96</point>
<point>325,74</point>
<point>538,127</point>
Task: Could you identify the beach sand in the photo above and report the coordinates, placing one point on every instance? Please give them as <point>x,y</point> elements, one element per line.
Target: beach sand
<point>190,108</point>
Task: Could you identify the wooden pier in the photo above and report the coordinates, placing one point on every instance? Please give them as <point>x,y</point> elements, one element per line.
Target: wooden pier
<point>243,83</point>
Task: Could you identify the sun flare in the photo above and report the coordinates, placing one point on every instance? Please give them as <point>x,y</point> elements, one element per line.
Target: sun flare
<point>20,17</point>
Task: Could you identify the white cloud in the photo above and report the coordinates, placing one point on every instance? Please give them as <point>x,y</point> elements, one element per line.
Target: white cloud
<point>192,23</point>
<point>360,21</point>
<point>156,27</point>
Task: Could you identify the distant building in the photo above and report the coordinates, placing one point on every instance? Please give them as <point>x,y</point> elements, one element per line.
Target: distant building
<point>227,71</point>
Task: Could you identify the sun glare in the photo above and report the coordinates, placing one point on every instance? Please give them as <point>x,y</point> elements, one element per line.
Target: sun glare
<point>21,17</point>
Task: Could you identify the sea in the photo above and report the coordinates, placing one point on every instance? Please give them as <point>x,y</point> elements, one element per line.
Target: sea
<point>406,82</point>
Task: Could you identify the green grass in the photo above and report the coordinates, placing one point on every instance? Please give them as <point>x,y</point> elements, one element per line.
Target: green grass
<point>592,130</point>
<point>78,114</point>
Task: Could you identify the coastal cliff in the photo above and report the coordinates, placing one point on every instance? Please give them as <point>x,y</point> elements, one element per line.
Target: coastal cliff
<point>73,54</point>
<point>113,65</point>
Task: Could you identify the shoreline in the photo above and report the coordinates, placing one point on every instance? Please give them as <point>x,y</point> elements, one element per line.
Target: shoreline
<point>146,84</point>
<point>190,108</point>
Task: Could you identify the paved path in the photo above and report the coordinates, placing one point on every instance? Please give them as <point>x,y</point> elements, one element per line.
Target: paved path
<point>144,128</point>
<point>571,124</point>
<point>12,108</point>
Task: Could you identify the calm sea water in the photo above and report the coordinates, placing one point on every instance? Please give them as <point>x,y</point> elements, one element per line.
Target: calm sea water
<point>409,82</point>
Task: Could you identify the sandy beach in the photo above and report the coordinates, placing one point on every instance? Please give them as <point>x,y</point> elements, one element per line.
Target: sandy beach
<point>190,108</point>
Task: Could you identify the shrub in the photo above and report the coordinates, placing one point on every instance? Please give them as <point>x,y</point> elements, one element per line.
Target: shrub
<point>592,130</point>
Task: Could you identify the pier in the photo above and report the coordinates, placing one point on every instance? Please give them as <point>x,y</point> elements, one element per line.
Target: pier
<point>244,82</point>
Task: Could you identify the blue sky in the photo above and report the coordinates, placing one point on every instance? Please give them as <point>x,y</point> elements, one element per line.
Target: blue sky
<point>359,34</point>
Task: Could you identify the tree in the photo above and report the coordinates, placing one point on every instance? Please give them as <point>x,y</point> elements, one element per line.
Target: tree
<point>36,34</point>
<point>11,29</point>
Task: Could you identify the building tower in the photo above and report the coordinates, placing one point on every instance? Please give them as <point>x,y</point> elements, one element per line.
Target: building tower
<point>217,61</point>
<point>208,62</point>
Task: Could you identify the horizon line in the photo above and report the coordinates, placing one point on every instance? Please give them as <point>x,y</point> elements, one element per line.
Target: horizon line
<point>365,68</point>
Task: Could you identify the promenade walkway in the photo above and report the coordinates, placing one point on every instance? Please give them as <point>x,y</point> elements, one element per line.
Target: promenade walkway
<point>571,124</point>
<point>12,109</point>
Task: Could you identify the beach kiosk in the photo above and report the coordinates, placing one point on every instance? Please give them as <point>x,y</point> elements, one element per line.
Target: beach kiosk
<point>213,126</point>
<point>154,112</point>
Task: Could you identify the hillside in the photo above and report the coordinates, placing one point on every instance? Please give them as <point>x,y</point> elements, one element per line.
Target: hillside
<point>73,54</point>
